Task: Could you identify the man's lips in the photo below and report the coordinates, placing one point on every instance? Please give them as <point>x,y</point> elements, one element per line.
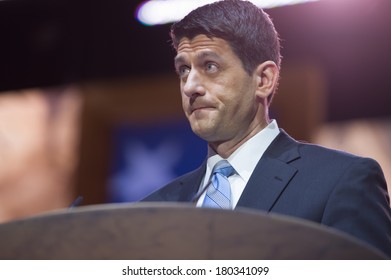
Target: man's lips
<point>201,107</point>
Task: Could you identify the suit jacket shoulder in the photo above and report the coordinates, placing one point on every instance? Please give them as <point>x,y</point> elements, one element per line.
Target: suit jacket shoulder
<point>326,186</point>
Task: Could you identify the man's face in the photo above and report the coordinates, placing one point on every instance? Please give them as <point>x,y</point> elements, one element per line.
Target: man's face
<point>218,95</point>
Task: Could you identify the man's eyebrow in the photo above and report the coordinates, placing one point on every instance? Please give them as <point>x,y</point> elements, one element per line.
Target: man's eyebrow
<point>200,56</point>
<point>208,54</point>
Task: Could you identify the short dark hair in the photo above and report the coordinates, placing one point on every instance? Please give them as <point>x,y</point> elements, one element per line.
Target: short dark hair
<point>247,28</point>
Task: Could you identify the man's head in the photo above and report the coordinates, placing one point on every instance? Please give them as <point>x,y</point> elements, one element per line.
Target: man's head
<point>228,64</point>
<point>248,30</point>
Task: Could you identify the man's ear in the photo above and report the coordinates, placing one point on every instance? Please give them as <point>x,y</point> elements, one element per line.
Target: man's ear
<point>267,75</point>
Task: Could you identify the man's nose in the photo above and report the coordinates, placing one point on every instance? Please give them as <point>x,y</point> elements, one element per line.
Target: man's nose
<point>193,84</point>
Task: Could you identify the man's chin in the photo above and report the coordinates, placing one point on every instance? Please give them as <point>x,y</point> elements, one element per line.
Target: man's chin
<point>205,133</point>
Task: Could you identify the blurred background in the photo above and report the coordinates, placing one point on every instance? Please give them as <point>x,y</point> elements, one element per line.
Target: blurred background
<point>90,103</point>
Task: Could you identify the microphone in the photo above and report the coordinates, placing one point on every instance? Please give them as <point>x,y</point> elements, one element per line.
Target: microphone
<point>76,202</point>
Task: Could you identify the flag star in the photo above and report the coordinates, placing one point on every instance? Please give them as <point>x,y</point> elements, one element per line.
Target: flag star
<point>146,169</point>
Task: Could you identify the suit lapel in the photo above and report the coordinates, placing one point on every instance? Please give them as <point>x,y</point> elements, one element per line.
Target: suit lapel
<point>271,175</point>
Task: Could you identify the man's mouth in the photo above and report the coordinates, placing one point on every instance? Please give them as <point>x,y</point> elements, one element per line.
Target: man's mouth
<point>199,108</point>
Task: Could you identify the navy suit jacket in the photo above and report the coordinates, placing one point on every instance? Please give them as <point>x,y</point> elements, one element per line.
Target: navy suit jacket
<point>330,187</point>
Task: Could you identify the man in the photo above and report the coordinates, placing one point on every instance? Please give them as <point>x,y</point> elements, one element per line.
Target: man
<point>228,61</point>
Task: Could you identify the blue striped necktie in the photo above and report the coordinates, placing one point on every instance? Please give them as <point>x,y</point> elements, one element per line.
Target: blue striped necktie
<point>218,194</point>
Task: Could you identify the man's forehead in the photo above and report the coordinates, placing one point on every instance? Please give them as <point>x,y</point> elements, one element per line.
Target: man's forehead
<point>200,42</point>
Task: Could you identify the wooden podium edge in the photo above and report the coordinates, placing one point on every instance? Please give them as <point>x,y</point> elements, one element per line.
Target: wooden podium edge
<point>214,220</point>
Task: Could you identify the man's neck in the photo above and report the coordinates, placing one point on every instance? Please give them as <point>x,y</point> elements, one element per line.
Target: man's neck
<point>227,148</point>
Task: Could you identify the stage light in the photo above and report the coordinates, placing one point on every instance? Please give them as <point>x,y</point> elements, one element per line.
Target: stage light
<point>155,12</point>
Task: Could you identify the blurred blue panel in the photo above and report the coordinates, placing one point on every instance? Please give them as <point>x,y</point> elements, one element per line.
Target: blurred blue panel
<point>146,157</point>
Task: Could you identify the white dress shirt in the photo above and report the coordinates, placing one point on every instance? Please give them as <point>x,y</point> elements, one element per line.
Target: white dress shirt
<point>243,160</point>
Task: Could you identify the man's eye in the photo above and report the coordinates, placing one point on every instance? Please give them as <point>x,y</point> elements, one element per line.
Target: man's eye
<point>183,71</point>
<point>211,67</point>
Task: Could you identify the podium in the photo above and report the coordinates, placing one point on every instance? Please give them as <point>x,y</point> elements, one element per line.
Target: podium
<point>176,231</point>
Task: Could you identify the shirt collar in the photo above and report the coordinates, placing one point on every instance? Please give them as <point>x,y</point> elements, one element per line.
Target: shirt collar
<point>246,157</point>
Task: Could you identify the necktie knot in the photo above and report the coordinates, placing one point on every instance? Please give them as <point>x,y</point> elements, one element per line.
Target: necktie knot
<point>224,168</point>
